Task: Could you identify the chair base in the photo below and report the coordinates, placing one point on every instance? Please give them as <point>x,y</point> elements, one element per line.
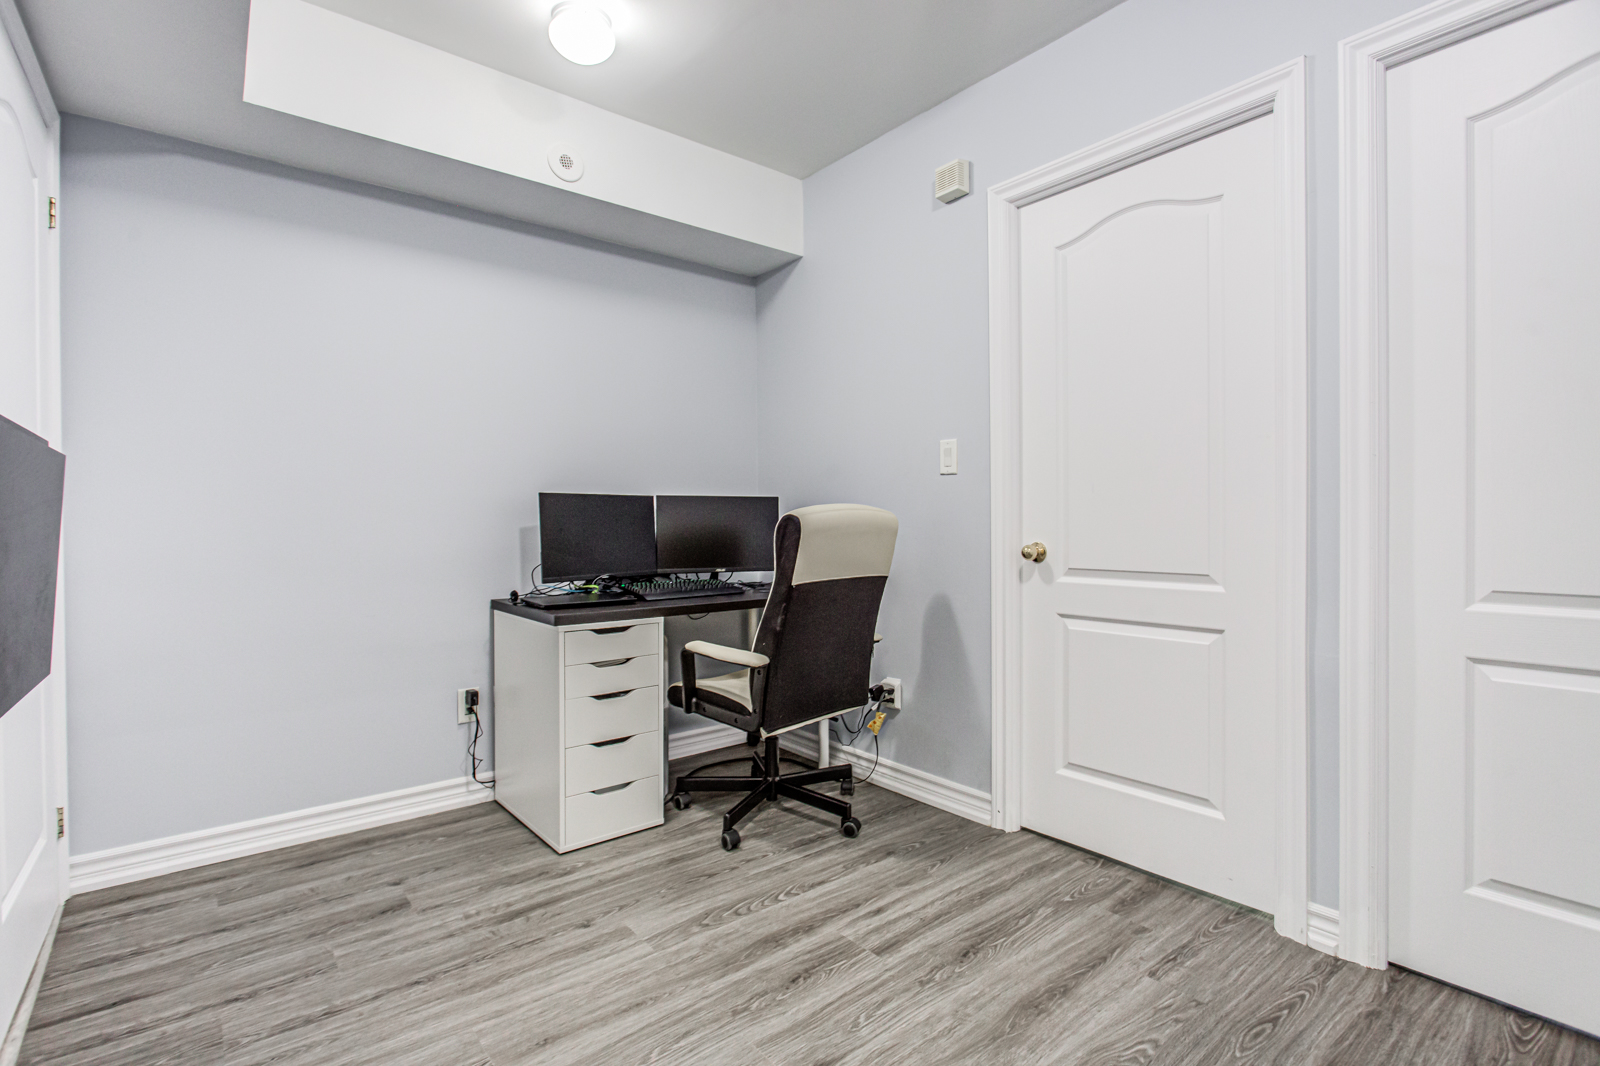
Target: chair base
<point>766,783</point>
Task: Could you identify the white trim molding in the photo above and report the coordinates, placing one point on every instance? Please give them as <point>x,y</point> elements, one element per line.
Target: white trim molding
<point>1281,91</point>
<point>962,800</point>
<point>1322,928</point>
<point>1364,62</point>
<point>135,862</point>
<point>702,738</point>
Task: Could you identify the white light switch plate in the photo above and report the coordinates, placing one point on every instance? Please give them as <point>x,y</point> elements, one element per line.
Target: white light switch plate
<point>947,456</point>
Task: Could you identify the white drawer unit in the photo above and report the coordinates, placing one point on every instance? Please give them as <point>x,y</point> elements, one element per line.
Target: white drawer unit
<point>612,762</point>
<point>611,642</point>
<point>595,816</point>
<point>579,727</point>
<point>613,675</point>
<point>592,719</point>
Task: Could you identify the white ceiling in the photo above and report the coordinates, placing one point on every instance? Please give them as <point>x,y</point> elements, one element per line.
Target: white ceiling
<point>790,84</point>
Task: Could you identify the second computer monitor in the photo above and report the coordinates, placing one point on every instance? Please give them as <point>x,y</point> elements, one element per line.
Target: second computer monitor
<point>696,533</point>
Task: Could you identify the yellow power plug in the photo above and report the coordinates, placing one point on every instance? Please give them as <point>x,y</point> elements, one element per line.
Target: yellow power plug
<point>877,722</point>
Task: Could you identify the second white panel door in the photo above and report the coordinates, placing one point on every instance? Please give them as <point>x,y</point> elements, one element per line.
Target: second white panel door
<point>1150,446</point>
<point>1494,515</point>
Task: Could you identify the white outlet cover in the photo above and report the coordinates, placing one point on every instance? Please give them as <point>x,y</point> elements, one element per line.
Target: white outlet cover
<point>947,456</point>
<point>462,717</point>
<point>898,701</point>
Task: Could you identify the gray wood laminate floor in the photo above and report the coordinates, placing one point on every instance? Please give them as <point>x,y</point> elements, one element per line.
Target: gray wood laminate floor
<point>461,940</point>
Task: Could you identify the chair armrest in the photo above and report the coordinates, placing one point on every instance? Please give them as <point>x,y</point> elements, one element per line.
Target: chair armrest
<point>737,656</point>
<point>723,654</point>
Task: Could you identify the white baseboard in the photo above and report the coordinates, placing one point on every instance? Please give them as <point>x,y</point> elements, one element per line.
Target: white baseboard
<point>1322,928</point>
<point>135,862</point>
<point>969,803</point>
<point>701,739</point>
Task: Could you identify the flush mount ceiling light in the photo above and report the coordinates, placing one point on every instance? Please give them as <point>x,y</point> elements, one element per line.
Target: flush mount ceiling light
<point>582,32</point>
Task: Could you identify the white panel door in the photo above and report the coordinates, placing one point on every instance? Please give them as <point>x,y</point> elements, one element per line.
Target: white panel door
<point>31,733</point>
<point>1494,338</point>
<point>1149,451</point>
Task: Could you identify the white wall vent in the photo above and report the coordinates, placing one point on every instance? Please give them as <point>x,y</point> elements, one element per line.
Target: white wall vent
<point>566,163</point>
<point>953,180</point>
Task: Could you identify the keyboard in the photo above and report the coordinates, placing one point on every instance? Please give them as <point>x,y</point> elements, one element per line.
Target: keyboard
<point>679,587</point>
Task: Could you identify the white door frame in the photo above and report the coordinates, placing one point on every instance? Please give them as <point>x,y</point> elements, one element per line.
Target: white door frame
<point>13,35</point>
<point>1281,90</point>
<point>1364,62</point>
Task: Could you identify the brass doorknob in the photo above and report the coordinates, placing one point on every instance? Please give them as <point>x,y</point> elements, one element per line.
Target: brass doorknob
<point>1034,552</point>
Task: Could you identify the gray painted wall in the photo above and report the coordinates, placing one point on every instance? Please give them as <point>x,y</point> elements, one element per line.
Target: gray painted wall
<point>306,420</point>
<point>875,345</point>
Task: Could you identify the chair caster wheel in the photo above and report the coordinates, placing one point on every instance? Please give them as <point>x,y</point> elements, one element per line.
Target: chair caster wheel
<point>682,801</point>
<point>850,827</point>
<point>847,788</point>
<point>730,839</point>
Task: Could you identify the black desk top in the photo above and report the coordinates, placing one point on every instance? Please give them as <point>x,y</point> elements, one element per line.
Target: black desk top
<point>572,616</point>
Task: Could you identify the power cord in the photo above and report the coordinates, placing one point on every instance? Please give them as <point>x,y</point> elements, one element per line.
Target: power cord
<point>472,747</point>
<point>553,589</point>
<point>869,710</point>
<point>560,588</point>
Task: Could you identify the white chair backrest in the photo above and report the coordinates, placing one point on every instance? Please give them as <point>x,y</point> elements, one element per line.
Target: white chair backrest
<point>843,540</point>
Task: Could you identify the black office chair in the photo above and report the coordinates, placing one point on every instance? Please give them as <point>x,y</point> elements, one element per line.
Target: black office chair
<point>812,657</point>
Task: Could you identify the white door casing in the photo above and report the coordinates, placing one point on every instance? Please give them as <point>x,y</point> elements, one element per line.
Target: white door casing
<point>33,732</point>
<point>1474,726</point>
<point>1134,556</point>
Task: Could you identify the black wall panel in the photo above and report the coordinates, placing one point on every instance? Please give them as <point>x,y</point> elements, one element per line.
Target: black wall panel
<point>31,479</point>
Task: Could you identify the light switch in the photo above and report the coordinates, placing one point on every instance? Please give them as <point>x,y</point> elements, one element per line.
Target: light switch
<point>947,457</point>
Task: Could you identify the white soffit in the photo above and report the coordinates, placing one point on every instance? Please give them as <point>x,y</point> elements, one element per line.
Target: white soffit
<point>176,68</point>
<point>790,84</point>
<point>308,61</point>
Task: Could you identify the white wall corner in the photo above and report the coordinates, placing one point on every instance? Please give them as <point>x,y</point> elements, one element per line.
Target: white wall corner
<point>135,862</point>
<point>1322,928</point>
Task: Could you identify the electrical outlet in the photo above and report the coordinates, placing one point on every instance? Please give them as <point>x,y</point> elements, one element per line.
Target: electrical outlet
<point>466,705</point>
<point>894,692</point>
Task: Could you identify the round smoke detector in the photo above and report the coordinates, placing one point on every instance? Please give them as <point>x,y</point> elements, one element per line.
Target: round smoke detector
<point>566,163</point>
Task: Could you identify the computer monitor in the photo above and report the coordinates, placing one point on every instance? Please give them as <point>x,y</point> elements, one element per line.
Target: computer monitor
<point>584,535</point>
<point>714,532</point>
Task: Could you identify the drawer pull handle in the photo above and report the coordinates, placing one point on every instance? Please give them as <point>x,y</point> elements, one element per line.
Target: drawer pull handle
<point>612,629</point>
<point>612,662</point>
<point>610,788</point>
<point>611,695</point>
<point>608,743</point>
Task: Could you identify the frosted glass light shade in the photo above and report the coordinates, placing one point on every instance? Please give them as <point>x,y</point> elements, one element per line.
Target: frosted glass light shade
<point>582,33</point>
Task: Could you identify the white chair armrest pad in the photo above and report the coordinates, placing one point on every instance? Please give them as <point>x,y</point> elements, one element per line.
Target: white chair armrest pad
<point>724,654</point>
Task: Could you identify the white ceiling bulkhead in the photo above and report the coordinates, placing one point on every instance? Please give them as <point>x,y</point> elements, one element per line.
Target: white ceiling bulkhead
<point>687,141</point>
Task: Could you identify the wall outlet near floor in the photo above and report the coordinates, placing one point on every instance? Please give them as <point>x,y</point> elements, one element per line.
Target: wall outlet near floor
<point>466,705</point>
<point>894,692</point>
